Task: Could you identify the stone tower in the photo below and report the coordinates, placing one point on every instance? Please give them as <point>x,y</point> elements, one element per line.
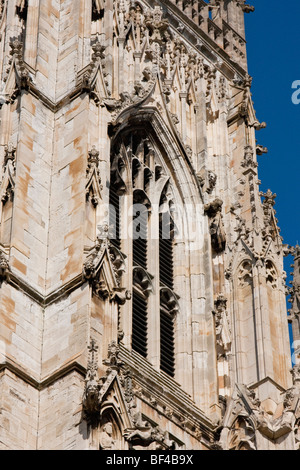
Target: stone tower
<point>142,299</point>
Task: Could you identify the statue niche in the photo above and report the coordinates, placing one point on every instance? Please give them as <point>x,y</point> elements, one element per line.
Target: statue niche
<point>109,434</point>
<point>106,440</point>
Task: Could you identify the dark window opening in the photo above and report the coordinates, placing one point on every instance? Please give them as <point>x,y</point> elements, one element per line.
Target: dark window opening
<point>139,324</point>
<point>140,235</point>
<point>167,343</point>
<point>114,216</point>
<point>166,264</point>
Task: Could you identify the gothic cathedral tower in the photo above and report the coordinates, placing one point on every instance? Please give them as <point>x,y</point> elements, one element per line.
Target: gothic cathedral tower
<point>142,298</point>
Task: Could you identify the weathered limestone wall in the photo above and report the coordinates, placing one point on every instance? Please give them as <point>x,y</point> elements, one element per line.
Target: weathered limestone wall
<point>63,34</point>
<point>65,331</point>
<point>67,205</point>
<point>32,194</point>
<point>61,426</point>
<point>19,403</point>
<point>21,330</point>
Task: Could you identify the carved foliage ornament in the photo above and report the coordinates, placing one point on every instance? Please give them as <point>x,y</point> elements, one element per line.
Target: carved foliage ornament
<point>95,388</point>
<point>294,290</point>
<point>106,282</point>
<point>159,53</point>
<point>93,184</point>
<point>296,375</point>
<point>9,173</point>
<point>207,180</point>
<point>86,78</point>
<point>248,162</point>
<point>242,435</point>
<point>270,221</point>
<point>22,73</point>
<point>138,432</point>
<point>223,333</point>
<point>4,268</point>
<point>245,274</point>
<point>245,416</point>
<point>90,399</point>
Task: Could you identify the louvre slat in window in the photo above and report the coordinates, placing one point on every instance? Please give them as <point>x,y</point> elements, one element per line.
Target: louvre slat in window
<point>167,344</point>
<point>140,227</point>
<point>166,266</point>
<point>114,216</point>
<point>166,278</point>
<point>139,324</point>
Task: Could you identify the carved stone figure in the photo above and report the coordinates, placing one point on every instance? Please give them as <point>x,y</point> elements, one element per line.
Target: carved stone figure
<point>106,440</point>
<point>217,231</point>
<point>144,437</point>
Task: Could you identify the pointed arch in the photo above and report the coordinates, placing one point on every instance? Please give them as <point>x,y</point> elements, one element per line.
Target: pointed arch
<point>245,322</point>
<point>161,130</point>
<point>156,173</point>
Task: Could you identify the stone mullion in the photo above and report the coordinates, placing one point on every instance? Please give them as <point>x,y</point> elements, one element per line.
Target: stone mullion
<point>108,21</point>
<point>225,176</point>
<point>263,344</point>
<point>283,334</point>
<point>212,373</point>
<point>237,311</point>
<point>2,47</point>
<point>121,63</point>
<point>154,298</point>
<point>137,66</point>
<point>183,102</point>
<point>183,347</point>
<point>126,202</point>
<point>232,357</point>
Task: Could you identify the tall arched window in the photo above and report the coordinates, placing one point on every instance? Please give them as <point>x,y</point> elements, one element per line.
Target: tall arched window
<point>140,293</point>
<point>138,175</point>
<point>166,280</point>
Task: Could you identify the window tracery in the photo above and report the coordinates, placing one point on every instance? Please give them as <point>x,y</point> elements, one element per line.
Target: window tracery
<point>138,174</point>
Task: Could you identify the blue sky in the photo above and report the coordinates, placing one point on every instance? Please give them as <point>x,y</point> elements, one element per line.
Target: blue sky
<point>273,37</point>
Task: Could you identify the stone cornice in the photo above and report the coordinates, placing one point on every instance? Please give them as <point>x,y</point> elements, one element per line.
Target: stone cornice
<point>65,370</point>
<point>45,300</point>
<point>48,103</point>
